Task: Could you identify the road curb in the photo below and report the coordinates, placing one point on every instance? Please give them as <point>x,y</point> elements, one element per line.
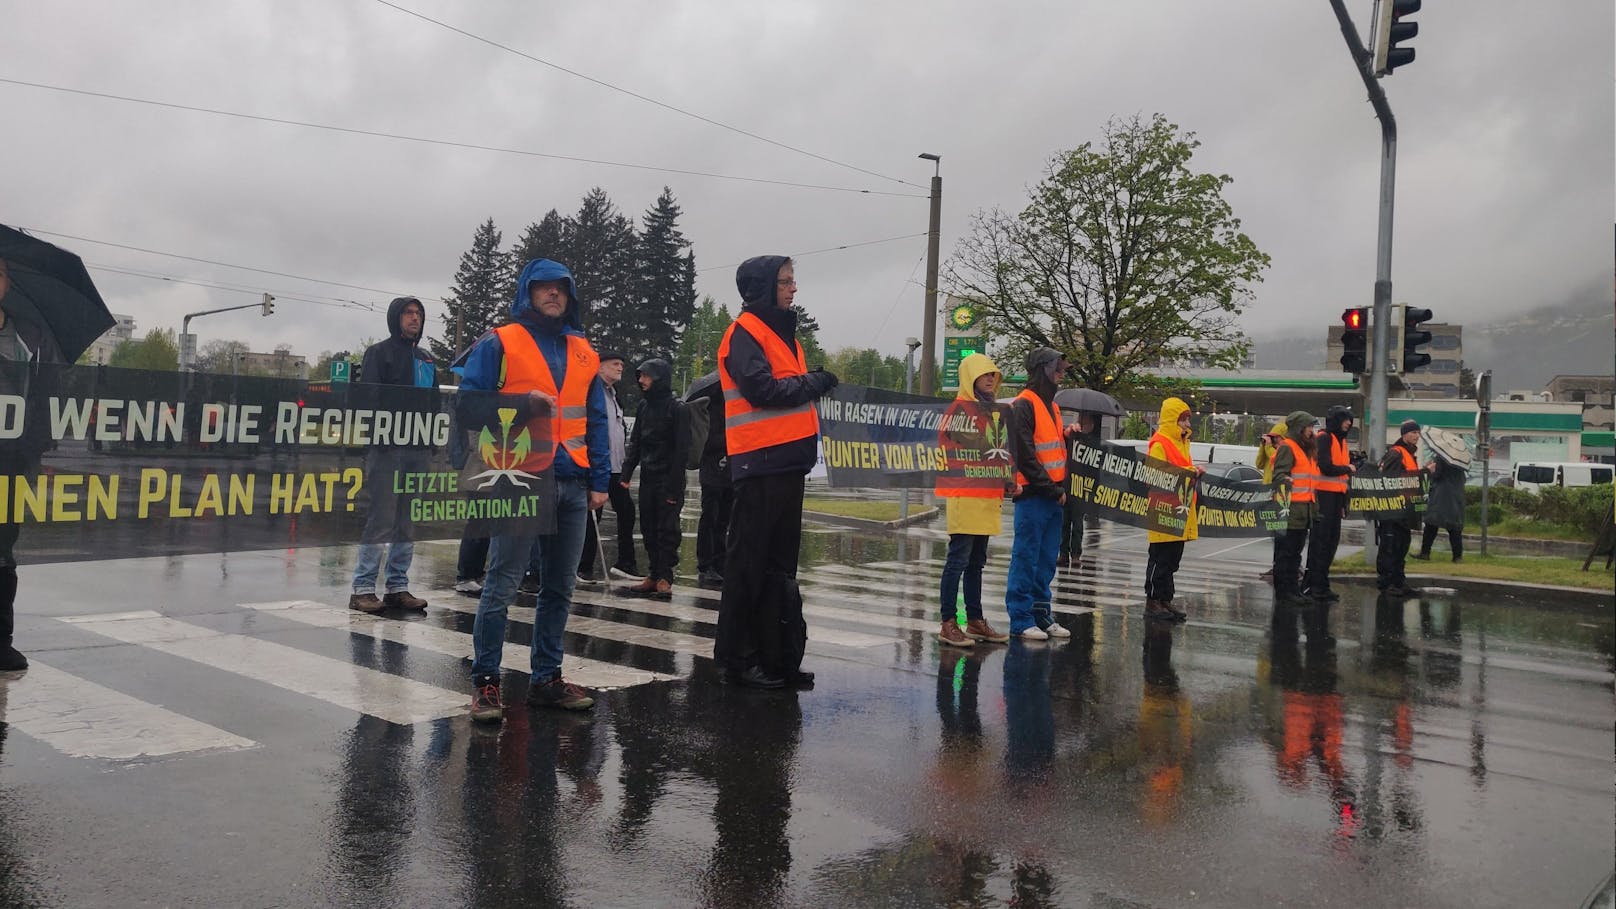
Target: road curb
<point>920,517</point>
<point>1601,597</point>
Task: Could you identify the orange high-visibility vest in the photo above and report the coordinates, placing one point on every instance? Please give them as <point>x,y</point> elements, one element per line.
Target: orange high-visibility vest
<point>952,482</point>
<point>1304,473</point>
<point>1408,458</point>
<point>748,428</point>
<point>526,370</point>
<point>1048,443</point>
<point>1340,458</point>
<point>1175,456</point>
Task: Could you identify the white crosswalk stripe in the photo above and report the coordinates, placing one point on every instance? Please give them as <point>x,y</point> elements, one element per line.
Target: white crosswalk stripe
<point>82,719</point>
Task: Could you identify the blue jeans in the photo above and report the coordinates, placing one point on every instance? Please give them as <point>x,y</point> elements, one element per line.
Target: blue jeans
<point>399,556</point>
<point>967,553</point>
<point>1032,563</point>
<point>558,572</point>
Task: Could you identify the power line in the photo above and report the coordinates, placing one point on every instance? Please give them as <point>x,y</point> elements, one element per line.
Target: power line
<point>662,104</point>
<point>252,291</point>
<point>447,143</point>
<point>262,271</point>
<point>815,252</point>
<point>893,308</point>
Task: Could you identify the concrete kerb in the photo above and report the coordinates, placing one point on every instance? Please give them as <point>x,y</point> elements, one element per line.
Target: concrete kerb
<point>922,516</point>
<point>1596,597</point>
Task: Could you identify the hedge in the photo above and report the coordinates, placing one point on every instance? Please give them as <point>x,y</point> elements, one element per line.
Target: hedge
<point>1579,507</point>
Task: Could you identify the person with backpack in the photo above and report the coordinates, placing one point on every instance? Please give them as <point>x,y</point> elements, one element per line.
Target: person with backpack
<point>659,445</point>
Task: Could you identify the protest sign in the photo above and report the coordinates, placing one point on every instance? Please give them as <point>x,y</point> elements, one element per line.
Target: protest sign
<point>883,439</point>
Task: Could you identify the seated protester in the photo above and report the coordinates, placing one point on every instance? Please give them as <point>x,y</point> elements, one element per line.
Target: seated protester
<point>658,445</point>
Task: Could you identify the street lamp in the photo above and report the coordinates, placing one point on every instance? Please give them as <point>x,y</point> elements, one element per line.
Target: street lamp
<point>928,349</point>
<point>908,388</point>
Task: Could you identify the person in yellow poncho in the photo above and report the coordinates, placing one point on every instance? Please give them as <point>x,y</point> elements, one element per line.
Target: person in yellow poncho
<point>1171,443</point>
<point>973,510</point>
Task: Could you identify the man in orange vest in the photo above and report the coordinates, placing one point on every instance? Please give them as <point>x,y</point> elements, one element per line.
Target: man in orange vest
<point>542,354</point>
<point>1040,451</point>
<point>771,432</point>
<point>1294,476</point>
<point>1335,469</point>
<point>1393,537</point>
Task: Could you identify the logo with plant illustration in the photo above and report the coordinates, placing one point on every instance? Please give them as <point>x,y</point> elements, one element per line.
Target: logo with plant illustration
<point>503,459</point>
<point>997,435</point>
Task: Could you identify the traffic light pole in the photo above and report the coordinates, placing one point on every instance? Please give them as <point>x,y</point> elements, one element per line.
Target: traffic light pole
<point>1381,321</point>
<point>188,349</point>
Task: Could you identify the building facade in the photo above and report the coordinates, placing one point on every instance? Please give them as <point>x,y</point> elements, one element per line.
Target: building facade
<point>1594,393</point>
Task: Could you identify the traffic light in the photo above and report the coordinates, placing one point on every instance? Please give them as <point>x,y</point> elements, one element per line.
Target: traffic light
<point>1355,340</point>
<point>1413,337</point>
<point>1391,29</point>
<point>269,304</point>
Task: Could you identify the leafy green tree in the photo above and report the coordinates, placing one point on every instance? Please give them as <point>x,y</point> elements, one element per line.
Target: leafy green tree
<point>157,351</point>
<point>867,366</point>
<point>1122,259</point>
<point>698,344</point>
<point>481,293</point>
<point>221,357</point>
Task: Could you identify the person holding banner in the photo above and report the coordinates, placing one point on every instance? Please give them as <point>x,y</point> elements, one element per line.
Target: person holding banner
<point>1040,452</point>
<point>1334,471</point>
<point>1293,479</point>
<point>771,431</point>
<point>1271,441</point>
<point>1393,537</point>
<point>974,503</point>
<point>543,356</point>
<point>1171,443</point>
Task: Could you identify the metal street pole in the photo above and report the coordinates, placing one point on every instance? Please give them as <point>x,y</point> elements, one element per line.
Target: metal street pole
<point>1484,441</point>
<point>1383,246</point>
<point>928,334</point>
<point>908,388</point>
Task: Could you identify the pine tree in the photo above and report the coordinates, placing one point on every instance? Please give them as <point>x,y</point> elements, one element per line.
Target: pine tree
<point>543,239</point>
<point>600,244</point>
<point>481,293</point>
<point>664,277</point>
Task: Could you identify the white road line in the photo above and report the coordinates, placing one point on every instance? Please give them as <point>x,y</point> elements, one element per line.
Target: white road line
<point>390,697</point>
<point>82,719</point>
<point>516,657</point>
<point>858,609</point>
<point>697,614</point>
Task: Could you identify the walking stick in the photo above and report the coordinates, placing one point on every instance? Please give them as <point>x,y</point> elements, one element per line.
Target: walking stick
<point>600,552</point>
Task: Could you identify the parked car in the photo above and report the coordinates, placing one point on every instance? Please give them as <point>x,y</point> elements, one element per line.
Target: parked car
<point>1532,476</point>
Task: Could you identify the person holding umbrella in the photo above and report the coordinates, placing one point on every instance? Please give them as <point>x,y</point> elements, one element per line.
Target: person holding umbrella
<point>50,312</point>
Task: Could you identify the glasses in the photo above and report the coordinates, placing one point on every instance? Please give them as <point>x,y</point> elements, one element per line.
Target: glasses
<point>786,282</point>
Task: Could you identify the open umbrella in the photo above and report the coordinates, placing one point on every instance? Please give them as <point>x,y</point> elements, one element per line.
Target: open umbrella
<point>49,286</point>
<point>1088,400</point>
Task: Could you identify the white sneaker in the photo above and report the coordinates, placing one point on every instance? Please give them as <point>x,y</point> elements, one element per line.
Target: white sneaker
<point>1033,634</point>
<point>471,587</point>
<point>620,573</point>
<point>1056,630</point>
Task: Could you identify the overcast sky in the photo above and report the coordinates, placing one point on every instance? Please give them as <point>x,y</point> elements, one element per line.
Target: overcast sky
<point>1504,177</point>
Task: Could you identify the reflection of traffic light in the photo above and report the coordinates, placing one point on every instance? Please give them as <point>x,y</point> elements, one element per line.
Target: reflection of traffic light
<point>269,304</point>
<point>1355,340</point>
<point>1391,29</point>
<point>1410,356</point>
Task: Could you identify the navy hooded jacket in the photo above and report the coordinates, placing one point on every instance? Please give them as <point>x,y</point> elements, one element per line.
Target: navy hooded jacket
<point>483,361</point>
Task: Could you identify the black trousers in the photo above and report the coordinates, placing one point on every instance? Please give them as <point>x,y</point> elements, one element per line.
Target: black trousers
<point>623,506</point>
<point>1392,538</point>
<point>716,504</point>
<point>1455,540</point>
<point>1159,570</point>
<point>660,503</point>
<point>1288,561</point>
<point>1072,527</point>
<point>765,533</point>
<point>472,563</point>
<point>1322,541</point>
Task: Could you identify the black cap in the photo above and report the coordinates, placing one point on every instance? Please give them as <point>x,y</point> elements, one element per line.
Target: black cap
<point>612,355</point>
<point>1409,426</point>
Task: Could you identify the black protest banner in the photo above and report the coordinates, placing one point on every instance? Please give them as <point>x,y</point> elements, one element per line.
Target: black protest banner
<point>99,463</point>
<point>884,439</point>
<point>1381,496</point>
<point>1123,485</point>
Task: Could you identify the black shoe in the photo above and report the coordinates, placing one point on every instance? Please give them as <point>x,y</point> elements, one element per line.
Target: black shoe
<point>755,677</point>
<point>11,660</point>
<point>561,693</point>
<point>801,679</point>
<point>710,580</point>
<point>1422,556</point>
<point>1293,598</point>
<point>1325,596</point>
<point>486,705</point>
<point>529,585</point>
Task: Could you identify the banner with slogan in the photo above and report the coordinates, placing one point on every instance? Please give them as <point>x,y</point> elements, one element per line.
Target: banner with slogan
<point>1385,496</point>
<point>884,439</point>
<point>1122,484</point>
<point>98,463</point>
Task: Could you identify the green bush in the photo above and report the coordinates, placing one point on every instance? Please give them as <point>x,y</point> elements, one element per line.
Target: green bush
<point>1578,508</point>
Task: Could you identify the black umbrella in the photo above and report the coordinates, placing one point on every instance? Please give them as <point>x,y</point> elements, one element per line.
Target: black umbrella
<point>1088,400</point>
<point>702,387</point>
<point>50,287</point>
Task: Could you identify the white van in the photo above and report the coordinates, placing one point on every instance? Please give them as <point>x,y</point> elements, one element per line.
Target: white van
<point>1532,476</point>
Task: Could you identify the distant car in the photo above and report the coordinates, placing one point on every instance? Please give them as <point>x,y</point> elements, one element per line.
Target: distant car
<point>1241,474</point>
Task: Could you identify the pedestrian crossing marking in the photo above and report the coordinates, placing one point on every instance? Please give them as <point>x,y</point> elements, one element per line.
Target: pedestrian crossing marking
<point>363,690</point>
<point>516,657</point>
<point>82,719</point>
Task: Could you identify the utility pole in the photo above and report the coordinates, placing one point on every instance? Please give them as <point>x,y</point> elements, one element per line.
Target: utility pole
<point>908,388</point>
<point>1484,442</point>
<point>928,334</point>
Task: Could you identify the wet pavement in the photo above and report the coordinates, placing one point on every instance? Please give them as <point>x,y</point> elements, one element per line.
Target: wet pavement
<point>216,730</point>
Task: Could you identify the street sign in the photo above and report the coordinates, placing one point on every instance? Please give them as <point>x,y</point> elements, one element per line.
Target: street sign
<point>339,371</point>
<point>955,349</point>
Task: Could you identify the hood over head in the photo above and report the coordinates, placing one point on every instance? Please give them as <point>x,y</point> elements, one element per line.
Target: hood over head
<point>1296,422</point>
<point>661,376</point>
<point>972,368</point>
<point>1038,364</point>
<point>755,279</point>
<point>1279,429</point>
<point>1336,416</point>
<point>546,270</point>
<point>395,312</point>
<point>1171,410</point>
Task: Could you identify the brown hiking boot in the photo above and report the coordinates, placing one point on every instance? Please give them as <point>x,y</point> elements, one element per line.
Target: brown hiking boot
<point>365,602</point>
<point>1156,609</point>
<point>403,600</point>
<point>646,585</point>
<point>664,589</point>
<point>953,636</point>
<point>980,630</point>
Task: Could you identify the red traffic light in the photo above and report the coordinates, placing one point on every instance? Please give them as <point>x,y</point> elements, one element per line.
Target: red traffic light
<point>1355,319</point>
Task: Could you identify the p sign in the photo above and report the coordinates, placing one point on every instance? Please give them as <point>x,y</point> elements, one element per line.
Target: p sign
<point>339,371</point>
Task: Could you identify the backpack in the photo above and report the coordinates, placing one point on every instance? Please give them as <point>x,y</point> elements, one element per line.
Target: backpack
<point>698,413</point>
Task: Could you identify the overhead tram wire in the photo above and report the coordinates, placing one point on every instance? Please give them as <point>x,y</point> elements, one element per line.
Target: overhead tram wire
<point>448,143</point>
<point>815,252</point>
<point>334,302</point>
<point>636,95</point>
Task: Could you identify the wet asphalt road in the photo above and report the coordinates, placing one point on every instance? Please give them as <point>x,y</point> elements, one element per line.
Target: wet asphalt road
<point>1450,751</point>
